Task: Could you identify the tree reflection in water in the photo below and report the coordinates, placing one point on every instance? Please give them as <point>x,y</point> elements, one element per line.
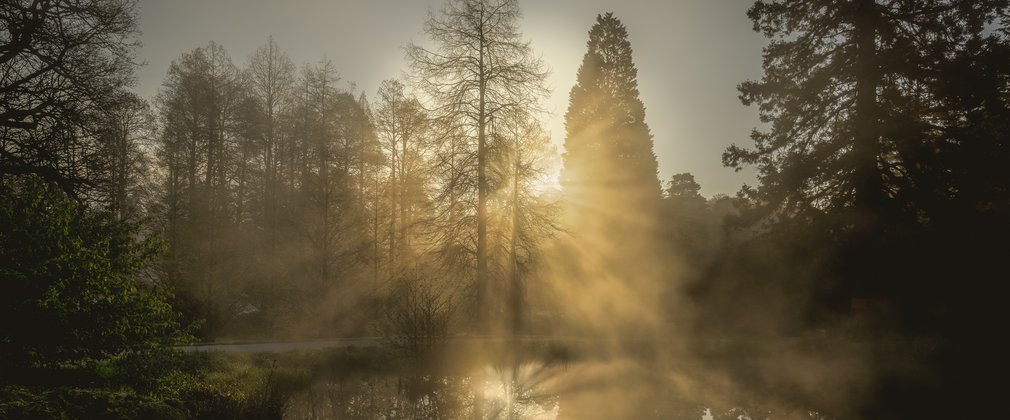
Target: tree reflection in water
<point>493,393</point>
<point>600,389</point>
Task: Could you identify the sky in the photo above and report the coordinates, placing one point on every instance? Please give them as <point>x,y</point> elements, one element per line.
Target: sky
<point>690,55</point>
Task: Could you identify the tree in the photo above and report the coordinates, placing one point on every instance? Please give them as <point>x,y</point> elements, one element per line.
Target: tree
<point>124,180</point>
<point>528,215</point>
<point>201,149</point>
<point>70,297</point>
<point>370,163</point>
<point>609,179</point>
<point>878,174</point>
<point>479,71</point>
<point>862,134</point>
<point>267,181</point>
<point>271,76</point>
<point>608,156</point>
<point>683,187</point>
<point>686,214</point>
<point>62,62</point>
<point>328,144</point>
<point>849,92</point>
<point>401,123</point>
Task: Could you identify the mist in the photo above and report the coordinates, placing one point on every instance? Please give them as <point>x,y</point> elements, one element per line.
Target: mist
<point>262,222</point>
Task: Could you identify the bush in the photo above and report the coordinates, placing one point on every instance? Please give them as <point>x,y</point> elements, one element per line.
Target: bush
<point>69,296</point>
<point>416,318</point>
<point>236,386</point>
<point>77,403</point>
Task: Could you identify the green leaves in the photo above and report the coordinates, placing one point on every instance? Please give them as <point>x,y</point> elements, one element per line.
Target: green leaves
<point>68,291</point>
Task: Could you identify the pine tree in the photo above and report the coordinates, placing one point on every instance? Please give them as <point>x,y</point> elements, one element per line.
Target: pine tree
<point>863,145</point>
<point>886,123</point>
<point>608,158</point>
<point>849,92</point>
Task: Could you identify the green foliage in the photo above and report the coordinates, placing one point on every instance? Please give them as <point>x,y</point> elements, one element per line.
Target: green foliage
<point>70,297</point>
<point>247,386</point>
<point>78,403</point>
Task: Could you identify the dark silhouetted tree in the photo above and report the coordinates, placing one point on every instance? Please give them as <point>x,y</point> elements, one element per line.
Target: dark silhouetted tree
<point>683,187</point>
<point>200,149</point>
<point>61,63</point>
<point>862,136</point>
<point>123,176</point>
<point>879,176</point>
<point>687,217</point>
<point>850,92</point>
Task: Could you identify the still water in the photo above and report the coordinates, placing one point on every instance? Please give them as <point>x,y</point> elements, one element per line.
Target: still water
<point>535,389</point>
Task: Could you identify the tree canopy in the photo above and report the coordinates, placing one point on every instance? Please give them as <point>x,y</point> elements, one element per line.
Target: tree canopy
<point>861,111</point>
<point>61,64</point>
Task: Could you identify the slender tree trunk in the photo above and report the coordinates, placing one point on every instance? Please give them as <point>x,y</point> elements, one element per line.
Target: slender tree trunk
<point>271,158</point>
<point>324,179</point>
<point>403,192</point>
<point>173,216</point>
<point>393,189</point>
<point>866,141</point>
<point>376,197</point>
<point>483,287</point>
<point>868,204</point>
<point>515,287</point>
<point>240,191</point>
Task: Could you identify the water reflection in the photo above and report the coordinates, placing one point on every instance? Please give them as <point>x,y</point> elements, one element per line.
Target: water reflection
<point>493,393</point>
<point>605,389</point>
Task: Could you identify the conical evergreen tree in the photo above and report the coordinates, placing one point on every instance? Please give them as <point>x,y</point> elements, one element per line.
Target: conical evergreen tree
<point>611,191</point>
<point>609,167</point>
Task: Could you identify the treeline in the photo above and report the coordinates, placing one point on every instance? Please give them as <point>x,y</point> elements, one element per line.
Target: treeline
<point>269,198</point>
<point>293,206</point>
<point>258,199</point>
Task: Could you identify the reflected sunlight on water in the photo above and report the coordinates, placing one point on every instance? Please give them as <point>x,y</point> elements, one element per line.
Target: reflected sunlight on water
<point>537,391</point>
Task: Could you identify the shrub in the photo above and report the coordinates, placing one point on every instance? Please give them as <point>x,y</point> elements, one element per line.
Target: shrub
<point>69,295</point>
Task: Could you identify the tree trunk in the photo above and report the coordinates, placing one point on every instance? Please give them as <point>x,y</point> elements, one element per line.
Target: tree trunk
<point>515,287</point>
<point>866,140</point>
<point>483,288</point>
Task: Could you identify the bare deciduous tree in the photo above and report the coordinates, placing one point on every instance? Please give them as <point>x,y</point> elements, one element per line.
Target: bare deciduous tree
<point>61,63</point>
<point>480,69</point>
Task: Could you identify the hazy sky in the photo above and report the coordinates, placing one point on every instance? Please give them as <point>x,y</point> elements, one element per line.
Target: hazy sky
<point>690,55</point>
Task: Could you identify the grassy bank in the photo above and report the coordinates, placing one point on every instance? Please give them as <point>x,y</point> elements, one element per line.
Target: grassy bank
<point>188,385</point>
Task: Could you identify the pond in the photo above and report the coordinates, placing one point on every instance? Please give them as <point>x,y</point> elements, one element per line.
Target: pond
<point>541,387</point>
